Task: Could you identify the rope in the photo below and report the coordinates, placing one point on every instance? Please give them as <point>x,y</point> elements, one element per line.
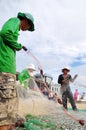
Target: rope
<point>36,60</point>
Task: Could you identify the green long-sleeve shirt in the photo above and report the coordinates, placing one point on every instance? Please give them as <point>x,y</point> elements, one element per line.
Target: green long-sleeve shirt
<point>24,75</point>
<point>9,45</point>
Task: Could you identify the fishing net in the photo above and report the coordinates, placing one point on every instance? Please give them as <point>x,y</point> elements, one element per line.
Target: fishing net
<point>48,122</point>
<point>34,123</point>
<point>32,101</point>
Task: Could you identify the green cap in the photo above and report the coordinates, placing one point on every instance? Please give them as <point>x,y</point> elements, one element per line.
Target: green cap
<point>29,17</point>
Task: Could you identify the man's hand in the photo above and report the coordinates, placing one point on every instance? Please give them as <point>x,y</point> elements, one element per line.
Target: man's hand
<point>24,48</point>
<point>75,76</point>
<point>63,81</point>
<point>41,72</point>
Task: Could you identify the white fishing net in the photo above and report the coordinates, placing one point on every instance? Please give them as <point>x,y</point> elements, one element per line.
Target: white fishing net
<point>32,101</point>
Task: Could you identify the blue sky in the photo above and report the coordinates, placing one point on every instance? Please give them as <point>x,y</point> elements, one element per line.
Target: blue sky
<point>59,38</point>
<point>78,61</point>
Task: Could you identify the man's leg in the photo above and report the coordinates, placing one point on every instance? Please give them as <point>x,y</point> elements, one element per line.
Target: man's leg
<point>64,100</point>
<point>8,100</point>
<point>7,127</point>
<point>71,99</point>
<point>4,127</point>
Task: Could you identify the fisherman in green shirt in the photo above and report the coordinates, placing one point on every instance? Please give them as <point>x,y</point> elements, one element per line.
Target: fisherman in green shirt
<point>26,74</point>
<point>8,47</point>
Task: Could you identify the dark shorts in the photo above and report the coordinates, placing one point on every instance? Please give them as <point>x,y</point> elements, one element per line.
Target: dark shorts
<point>8,98</point>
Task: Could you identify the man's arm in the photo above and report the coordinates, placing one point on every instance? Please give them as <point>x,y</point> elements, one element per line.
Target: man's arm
<point>9,33</point>
<point>60,79</point>
<point>73,79</point>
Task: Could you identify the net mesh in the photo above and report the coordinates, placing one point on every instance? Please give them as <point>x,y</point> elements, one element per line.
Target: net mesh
<point>32,101</point>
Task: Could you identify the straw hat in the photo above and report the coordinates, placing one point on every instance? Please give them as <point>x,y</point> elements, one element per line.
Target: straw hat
<point>31,69</point>
<point>66,68</point>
